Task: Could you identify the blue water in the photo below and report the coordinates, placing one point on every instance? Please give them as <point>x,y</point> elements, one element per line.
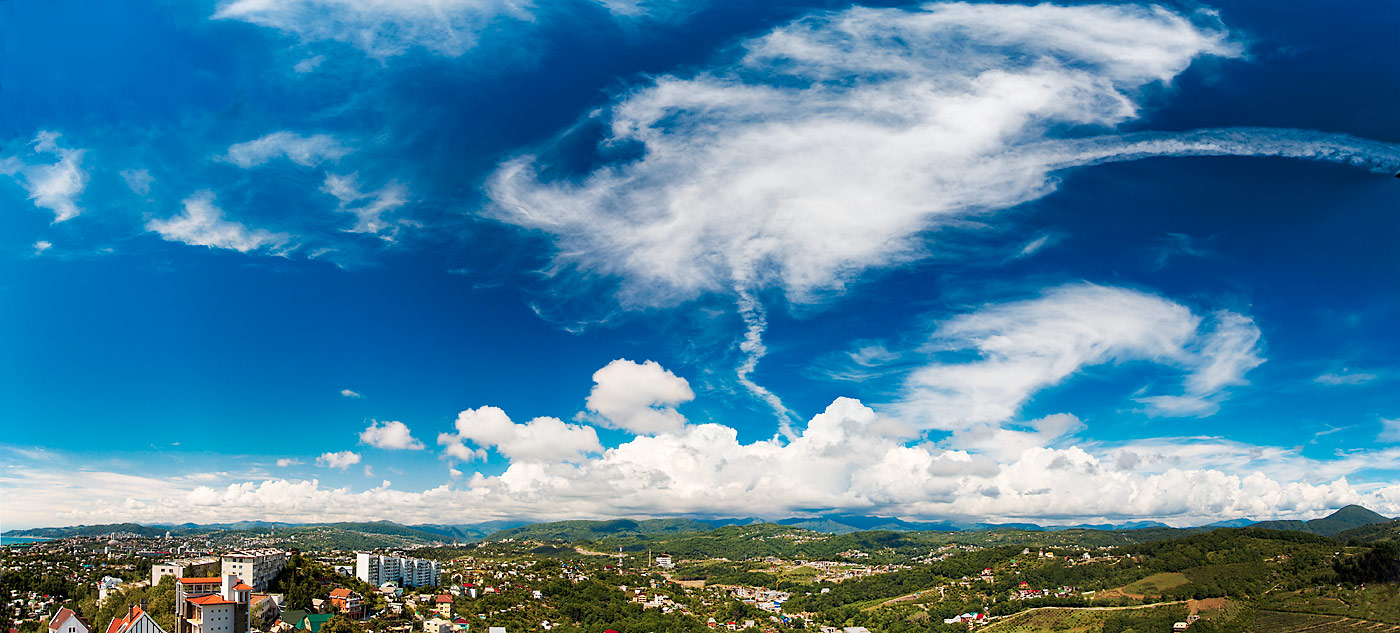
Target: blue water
<point>20,540</point>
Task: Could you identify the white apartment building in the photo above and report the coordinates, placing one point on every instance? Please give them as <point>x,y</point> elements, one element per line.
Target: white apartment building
<point>182,567</point>
<point>406,572</point>
<point>256,567</point>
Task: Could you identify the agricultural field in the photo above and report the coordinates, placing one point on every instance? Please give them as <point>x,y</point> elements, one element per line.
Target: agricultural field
<point>1380,603</point>
<point>1280,622</point>
<point>1154,585</point>
<point>1057,620</point>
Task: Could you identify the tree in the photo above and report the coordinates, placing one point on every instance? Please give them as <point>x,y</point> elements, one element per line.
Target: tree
<point>341,624</point>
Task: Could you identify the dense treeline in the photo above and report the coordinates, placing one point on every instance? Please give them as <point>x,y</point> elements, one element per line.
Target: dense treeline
<point>1381,564</point>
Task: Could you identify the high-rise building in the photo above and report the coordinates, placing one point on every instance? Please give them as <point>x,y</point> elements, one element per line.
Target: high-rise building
<point>407,572</point>
<point>256,567</point>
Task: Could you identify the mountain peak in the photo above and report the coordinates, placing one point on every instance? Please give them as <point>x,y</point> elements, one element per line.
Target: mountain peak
<point>1357,515</point>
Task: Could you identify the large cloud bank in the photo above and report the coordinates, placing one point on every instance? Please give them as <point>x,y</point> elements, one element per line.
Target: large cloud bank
<point>953,445</point>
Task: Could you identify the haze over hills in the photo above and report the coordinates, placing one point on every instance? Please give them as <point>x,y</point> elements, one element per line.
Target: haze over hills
<point>1348,522</point>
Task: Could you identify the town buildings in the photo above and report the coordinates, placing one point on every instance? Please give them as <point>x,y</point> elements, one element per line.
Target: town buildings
<point>257,567</point>
<point>182,567</point>
<point>348,602</point>
<point>136,620</point>
<point>407,572</point>
<point>212,605</point>
<point>65,621</point>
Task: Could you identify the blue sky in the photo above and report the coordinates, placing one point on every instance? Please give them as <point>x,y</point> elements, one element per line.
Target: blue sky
<point>457,261</point>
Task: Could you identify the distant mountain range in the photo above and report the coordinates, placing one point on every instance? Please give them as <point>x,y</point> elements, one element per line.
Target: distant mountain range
<point>1351,522</point>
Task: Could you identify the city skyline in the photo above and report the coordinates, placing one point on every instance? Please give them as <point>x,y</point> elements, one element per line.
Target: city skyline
<point>455,262</point>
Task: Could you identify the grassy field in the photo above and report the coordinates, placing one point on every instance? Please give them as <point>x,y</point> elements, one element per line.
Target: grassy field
<point>1280,622</point>
<point>1380,603</point>
<point>1155,584</point>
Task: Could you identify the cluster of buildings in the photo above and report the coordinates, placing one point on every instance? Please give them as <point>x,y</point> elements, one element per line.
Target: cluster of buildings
<point>377,570</point>
<point>257,567</point>
<point>1024,592</point>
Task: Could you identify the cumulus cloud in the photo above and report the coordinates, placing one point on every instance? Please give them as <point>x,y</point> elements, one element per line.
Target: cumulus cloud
<point>203,224</point>
<point>41,246</point>
<point>845,141</point>
<point>368,207</point>
<point>287,461</point>
<point>307,151</point>
<point>350,393</point>
<point>341,460</point>
<point>542,439</point>
<point>640,398</point>
<point>52,174</point>
<point>848,457</point>
<point>390,435</point>
<point>1021,347</point>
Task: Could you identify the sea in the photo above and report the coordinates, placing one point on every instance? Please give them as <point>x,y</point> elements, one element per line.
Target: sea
<point>20,540</point>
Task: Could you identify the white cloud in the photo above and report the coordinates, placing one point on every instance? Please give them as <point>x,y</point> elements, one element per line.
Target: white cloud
<point>1024,346</point>
<point>390,435</point>
<point>309,64</point>
<point>138,180</point>
<point>849,457</point>
<point>307,151</point>
<point>539,440</point>
<point>367,207</point>
<point>381,28</point>
<point>341,460</point>
<point>369,472</point>
<point>1223,357</point>
<point>385,28</point>
<point>1390,431</point>
<point>52,185</point>
<point>846,141</point>
<point>639,398</point>
<point>41,246</point>
<point>203,224</point>
<point>1345,377</point>
<point>287,461</point>
<point>348,393</point>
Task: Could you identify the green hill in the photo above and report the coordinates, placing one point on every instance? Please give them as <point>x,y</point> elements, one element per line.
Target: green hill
<point>1348,518</point>
<point>579,531</point>
<point>1374,533</point>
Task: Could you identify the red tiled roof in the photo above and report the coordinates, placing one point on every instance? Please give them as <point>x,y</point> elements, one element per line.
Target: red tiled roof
<point>60,617</point>
<point>243,587</point>
<point>444,598</point>
<point>341,593</point>
<point>201,581</point>
<point>211,599</point>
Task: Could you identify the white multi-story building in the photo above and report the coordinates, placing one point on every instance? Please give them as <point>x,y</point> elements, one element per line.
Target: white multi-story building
<point>182,567</point>
<point>406,572</point>
<point>256,567</point>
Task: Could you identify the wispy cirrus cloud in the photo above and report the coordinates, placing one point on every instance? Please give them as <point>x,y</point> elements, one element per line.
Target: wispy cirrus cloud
<point>858,139</point>
<point>1021,347</point>
<point>52,174</point>
<point>202,223</point>
<point>387,28</point>
<point>307,151</point>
